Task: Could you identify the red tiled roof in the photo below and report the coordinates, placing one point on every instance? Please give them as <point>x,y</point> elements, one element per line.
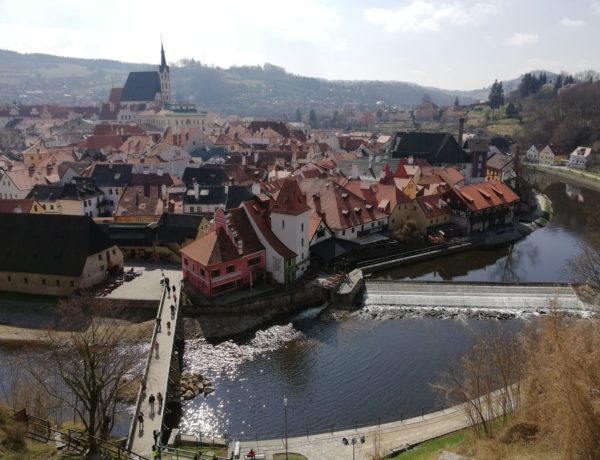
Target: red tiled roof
<point>102,141</point>
<point>10,205</point>
<point>115,95</point>
<point>486,195</point>
<point>115,128</point>
<point>433,206</point>
<point>290,199</point>
<point>262,222</point>
<point>214,248</point>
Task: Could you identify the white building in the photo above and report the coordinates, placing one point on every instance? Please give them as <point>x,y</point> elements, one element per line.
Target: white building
<point>579,157</point>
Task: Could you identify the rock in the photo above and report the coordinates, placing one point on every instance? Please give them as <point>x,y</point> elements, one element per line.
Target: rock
<point>188,395</point>
<point>208,390</point>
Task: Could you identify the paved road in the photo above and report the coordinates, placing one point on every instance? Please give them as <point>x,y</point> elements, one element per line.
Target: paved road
<point>388,437</point>
<point>158,373</point>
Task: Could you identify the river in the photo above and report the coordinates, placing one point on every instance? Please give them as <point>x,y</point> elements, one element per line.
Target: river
<point>359,370</point>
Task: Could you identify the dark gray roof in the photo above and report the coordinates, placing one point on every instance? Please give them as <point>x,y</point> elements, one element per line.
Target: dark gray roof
<point>437,148</point>
<point>130,234</point>
<point>207,195</point>
<point>236,194</point>
<point>81,189</point>
<point>48,244</point>
<point>112,175</point>
<point>205,176</point>
<point>176,228</point>
<point>141,86</point>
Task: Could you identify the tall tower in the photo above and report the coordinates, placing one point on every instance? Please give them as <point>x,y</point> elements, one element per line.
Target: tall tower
<point>165,76</point>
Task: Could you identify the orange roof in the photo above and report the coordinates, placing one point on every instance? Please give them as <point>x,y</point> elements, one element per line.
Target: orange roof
<point>433,206</point>
<point>214,248</point>
<point>10,205</point>
<point>486,195</point>
<point>290,199</point>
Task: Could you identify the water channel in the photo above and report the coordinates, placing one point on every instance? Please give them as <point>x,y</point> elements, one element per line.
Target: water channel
<point>360,370</point>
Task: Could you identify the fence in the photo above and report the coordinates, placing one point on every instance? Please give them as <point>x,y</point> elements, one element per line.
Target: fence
<point>40,430</point>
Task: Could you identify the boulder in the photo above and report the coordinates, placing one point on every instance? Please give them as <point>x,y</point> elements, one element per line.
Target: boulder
<point>208,390</point>
<point>188,395</point>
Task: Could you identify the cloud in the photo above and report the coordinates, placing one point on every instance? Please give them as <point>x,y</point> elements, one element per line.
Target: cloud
<point>595,7</point>
<point>520,39</point>
<point>568,22</point>
<point>427,15</point>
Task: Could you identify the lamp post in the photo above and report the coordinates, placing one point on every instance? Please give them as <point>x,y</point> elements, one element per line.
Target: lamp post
<point>285,404</point>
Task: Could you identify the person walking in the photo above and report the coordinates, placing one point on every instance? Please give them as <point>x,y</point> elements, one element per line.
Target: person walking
<point>169,327</point>
<point>140,418</point>
<point>160,400</point>
<point>172,311</point>
<point>158,328</point>
<point>151,400</point>
<point>174,298</point>
<point>156,348</point>
<point>155,436</point>
<point>168,292</point>
<point>155,453</point>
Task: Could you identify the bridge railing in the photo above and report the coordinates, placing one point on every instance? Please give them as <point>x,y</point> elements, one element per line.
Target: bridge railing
<point>141,394</point>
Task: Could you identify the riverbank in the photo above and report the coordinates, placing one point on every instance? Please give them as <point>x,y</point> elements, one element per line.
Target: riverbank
<point>588,180</point>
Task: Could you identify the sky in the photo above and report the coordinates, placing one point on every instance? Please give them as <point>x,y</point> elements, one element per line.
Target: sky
<point>461,44</point>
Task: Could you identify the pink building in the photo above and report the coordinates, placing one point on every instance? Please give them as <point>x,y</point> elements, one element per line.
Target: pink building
<point>228,258</point>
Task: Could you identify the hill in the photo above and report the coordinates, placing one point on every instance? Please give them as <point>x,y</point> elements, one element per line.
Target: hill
<point>248,90</point>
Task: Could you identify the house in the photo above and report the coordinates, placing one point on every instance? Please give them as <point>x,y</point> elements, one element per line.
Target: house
<point>477,207</point>
<point>177,230</point>
<point>431,211</point>
<point>553,155</point>
<point>532,155</point>
<point>145,199</point>
<point>580,157</point>
<point>500,167</point>
<point>280,260</point>
<point>17,206</point>
<point>112,180</point>
<point>228,258</point>
<point>54,255</point>
<point>77,198</point>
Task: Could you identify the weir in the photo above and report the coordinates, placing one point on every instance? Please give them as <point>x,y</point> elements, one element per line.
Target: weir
<point>500,297</point>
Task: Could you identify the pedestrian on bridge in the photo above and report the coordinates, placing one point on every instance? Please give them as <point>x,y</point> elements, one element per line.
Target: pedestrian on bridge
<point>160,399</point>
<point>140,418</point>
<point>158,325</point>
<point>168,292</point>
<point>151,400</point>
<point>172,311</point>
<point>156,348</point>
<point>169,327</point>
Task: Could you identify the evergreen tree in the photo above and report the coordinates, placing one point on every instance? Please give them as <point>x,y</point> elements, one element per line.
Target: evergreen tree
<point>312,119</point>
<point>335,118</point>
<point>558,83</point>
<point>298,115</point>
<point>456,103</point>
<point>511,110</point>
<point>569,80</point>
<point>496,97</point>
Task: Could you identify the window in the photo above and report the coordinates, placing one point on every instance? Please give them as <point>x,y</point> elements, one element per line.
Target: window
<point>110,191</point>
<point>58,282</point>
<point>72,284</point>
<point>352,229</point>
<point>343,232</point>
<point>302,241</point>
<point>282,223</point>
<point>35,208</point>
<point>114,252</point>
<point>230,268</point>
<point>52,207</point>
<point>44,281</point>
<point>253,261</point>
<point>25,280</point>
<point>302,226</point>
<point>202,272</point>
<point>9,279</point>
<point>215,272</point>
<point>99,256</point>
<point>185,262</point>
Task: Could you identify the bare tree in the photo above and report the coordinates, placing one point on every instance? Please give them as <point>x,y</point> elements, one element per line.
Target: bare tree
<point>585,267</point>
<point>487,381</point>
<point>91,363</point>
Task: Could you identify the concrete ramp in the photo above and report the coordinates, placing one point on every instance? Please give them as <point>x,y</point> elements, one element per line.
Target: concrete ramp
<point>515,298</point>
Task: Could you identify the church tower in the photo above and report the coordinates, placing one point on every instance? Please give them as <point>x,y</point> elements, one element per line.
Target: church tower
<point>165,77</point>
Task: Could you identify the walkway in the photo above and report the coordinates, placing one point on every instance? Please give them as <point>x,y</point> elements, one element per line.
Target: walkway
<point>383,439</point>
<point>157,373</point>
<point>490,296</point>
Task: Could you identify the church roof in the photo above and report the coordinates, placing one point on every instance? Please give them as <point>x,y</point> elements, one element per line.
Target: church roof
<point>141,86</point>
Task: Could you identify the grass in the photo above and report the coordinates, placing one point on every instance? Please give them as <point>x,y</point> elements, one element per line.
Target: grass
<point>291,456</point>
<point>430,449</point>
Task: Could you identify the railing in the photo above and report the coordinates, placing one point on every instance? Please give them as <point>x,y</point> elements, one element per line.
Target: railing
<point>40,430</point>
<point>141,394</point>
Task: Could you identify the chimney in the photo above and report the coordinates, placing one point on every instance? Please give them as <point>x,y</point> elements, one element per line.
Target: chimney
<point>196,189</point>
<point>226,189</point>
<point>18,209</point>
<point>240,247</point>
<point>411,160</point>
<point>461,129</point>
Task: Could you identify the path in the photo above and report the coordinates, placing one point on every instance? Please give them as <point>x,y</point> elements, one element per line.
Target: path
<point>157,373</point>
<point>385,438</point>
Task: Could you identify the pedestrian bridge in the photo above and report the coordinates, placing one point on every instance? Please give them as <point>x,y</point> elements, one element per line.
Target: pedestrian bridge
<point>496,297</point>
<point>159,365</point>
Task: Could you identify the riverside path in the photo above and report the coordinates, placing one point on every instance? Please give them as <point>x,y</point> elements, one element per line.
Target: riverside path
<point>156,374</point>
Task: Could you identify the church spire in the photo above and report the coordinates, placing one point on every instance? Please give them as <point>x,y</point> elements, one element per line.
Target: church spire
<point>163,60</point>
